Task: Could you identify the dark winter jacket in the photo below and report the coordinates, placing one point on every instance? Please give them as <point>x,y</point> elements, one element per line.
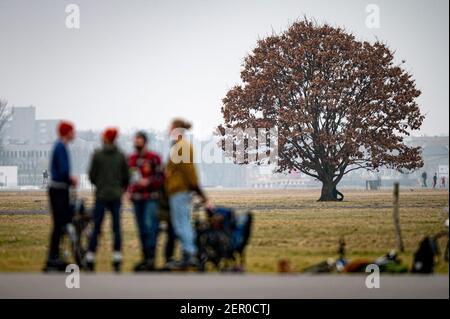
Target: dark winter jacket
<point>109,173</point>
<point>60,164</point>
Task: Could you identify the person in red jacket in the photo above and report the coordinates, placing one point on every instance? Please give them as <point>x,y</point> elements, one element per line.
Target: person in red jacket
<point>147,180</point>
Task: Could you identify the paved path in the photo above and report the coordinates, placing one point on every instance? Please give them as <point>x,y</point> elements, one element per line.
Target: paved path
<point>224,286</point>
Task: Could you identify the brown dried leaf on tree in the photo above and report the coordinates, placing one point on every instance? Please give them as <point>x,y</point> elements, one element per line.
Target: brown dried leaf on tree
<point>338,104</point>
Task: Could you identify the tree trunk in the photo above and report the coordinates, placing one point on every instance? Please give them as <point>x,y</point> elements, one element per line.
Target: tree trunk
<point>327,194</point>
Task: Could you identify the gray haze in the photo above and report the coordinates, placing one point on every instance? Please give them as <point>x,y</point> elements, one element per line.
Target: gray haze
<point>140,63</point>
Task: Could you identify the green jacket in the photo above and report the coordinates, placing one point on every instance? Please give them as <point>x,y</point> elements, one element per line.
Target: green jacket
<point>109,173</point>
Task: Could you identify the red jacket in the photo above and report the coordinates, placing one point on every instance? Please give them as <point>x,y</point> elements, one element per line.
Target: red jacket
<point>147,176</point>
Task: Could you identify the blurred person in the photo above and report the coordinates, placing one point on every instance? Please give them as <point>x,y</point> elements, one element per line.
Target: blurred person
<point>164,215</point>
<point>147,180</point>
<point>435,179</point>
<point>44,178</point>
<point>181,182</point>
<point>443,181</point>
<point>424,179</point>
<point>108,172</point>
<point>58,191</point>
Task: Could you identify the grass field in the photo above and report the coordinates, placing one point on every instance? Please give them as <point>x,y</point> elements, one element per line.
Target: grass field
<point>289,224</point>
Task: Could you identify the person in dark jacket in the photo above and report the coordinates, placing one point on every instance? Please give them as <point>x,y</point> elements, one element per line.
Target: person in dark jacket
<point>147,180</point>
<point>424,179</point>
<point>58,190</point>
<point>109,174</point>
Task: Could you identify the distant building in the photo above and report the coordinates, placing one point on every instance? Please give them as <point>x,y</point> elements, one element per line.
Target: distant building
<point>435,151</point>
<point>24,128</point>
<point>44,131</point>
<point>27,144</point>
<point>8,176</point>
<point>30,160</point>
<point>20,128</point>
<point>435,155</point>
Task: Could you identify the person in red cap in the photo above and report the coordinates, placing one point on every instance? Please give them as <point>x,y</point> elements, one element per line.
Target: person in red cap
<point>109,174</point>
<point>60,181</point>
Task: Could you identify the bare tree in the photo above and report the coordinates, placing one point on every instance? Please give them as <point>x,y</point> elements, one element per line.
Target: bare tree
<point>5,113</point>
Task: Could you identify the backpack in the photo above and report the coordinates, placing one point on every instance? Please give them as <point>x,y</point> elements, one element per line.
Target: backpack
<point>424,256</point>
<point>237,225</point>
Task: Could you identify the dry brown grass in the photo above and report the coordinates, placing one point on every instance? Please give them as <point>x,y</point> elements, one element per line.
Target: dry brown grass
<point>289,224</point>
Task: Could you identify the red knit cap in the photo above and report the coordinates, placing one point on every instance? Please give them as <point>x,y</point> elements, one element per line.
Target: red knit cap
<point>64,128</point>
<point>110,134</point>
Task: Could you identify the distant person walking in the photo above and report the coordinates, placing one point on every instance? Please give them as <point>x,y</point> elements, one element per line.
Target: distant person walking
<point>44,178</point>
<point>424,179</point>
<point>435,179</point>
<point>443,181</point>
<point>181,181</point>
<point>58,192</point>
<point>109,174</point>
<point>147,180</point>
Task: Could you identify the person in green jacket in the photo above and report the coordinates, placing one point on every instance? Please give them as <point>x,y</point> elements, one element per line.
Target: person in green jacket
<point>109,174</point>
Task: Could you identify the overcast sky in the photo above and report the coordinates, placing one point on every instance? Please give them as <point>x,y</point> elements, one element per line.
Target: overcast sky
<point>140,63</point>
